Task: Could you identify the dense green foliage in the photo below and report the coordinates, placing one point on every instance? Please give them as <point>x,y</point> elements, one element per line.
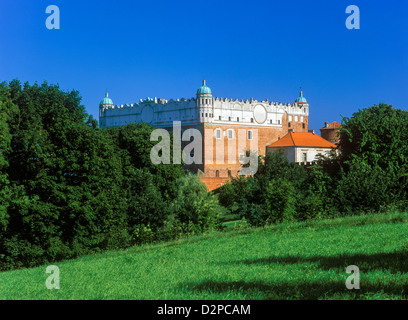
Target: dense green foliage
<point>68,188</point>
<point>298,260</point>
<point>279,192</point>
<point>374,158</point>
<point>194,206</point>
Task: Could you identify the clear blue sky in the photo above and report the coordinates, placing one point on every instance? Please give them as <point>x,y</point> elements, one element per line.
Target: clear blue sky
<point>260,49</point>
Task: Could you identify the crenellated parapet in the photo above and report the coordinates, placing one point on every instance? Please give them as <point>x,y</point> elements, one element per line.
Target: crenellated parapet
<point>204,108</point>
<point>156,111</point>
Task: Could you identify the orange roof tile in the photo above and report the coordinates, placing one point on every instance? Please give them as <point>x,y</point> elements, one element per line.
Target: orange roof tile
<point>302,139</point>
<point>332,125</point>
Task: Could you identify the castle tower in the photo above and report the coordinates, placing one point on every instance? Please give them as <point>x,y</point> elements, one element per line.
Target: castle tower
<point>205,103</point>
<point>331,131</point>
<point>298,119</point>
<point>301,101</point>
<point>103,105</point>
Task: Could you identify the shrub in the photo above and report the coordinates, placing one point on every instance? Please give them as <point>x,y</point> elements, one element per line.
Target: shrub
<point>364,187</point>
<point>142,234</point>
<point>195,205</point>
<point>280,201</point>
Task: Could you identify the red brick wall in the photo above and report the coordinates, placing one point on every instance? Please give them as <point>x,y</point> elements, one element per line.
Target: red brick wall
<point>330,134</point>
<point>266,136</point>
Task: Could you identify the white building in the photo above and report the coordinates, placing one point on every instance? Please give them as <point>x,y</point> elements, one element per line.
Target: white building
<point>302,147</point>
<point>204,108</point>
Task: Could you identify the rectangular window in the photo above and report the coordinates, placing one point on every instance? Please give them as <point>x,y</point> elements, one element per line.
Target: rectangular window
<point>218,133</point>
<point>230,134</point>
<point>290,118</point>
<point>304,157</point>
<point>296,118</point>
<point>303,125</point>
<point>206,115</point>
<point>252,119</point>
<point>237,119</point>
<point>289,125</point>
<point>249,134</point>
<point>219,117</point>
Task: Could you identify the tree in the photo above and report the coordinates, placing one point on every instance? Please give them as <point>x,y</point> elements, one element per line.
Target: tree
<point>374,156</point>
<point>195,206</point>
<point>376,135</point>
<point>61,173</point>
<point>7,112</point>
<point>134,145</point>
<point>280,201</point>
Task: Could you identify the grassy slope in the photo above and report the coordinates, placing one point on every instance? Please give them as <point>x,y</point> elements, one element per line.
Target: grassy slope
<point>290,261</point>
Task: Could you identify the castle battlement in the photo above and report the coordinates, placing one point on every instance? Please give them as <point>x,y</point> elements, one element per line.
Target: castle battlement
<point>204,108</point>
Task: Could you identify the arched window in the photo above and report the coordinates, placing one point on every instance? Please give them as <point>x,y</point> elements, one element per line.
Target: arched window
<point>217,173</point>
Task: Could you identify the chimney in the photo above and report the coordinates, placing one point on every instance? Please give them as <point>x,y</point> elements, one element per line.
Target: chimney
<point>291,130</point>
<point>312,131</point>
<point>326,124</point>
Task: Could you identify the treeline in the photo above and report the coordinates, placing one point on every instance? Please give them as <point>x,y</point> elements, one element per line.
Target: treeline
<point>68,188</point>
<point>370,174</point>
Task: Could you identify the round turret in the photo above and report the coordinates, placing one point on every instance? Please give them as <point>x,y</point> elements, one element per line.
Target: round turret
<point>106,100</point>
<point>301,98</point>
<point>204,89</point>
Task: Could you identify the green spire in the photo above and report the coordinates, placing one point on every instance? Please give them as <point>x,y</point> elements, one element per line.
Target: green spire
<point>204,88</point>
<point>301,98</point>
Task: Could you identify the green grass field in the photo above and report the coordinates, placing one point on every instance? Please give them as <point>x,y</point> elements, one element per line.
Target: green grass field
<point>288,261</point>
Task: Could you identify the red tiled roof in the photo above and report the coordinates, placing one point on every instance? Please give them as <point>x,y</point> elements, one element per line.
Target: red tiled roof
<point>332,125</point>
<point>302,139</point>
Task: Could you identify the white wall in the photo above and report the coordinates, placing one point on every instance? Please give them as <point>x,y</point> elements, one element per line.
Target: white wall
<point>311,153</point>
<point>191,112</point>
<point>295,154</point>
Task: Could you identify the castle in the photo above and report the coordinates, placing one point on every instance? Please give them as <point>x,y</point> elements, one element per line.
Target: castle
<point>219,120</point>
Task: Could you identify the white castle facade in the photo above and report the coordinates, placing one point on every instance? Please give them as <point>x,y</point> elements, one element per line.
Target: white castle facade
<point>203,109</point>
